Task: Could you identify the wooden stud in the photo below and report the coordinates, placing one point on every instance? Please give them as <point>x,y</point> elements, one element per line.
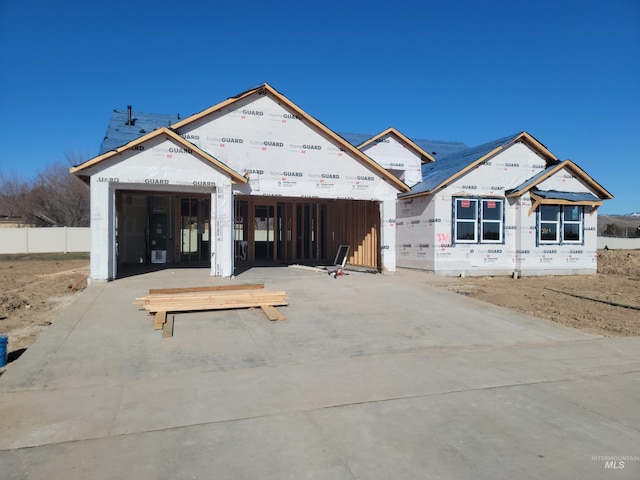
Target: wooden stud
<point>167,330</point>
<point>212,288</point>
<point>272,313</point>
<point>161,318</point>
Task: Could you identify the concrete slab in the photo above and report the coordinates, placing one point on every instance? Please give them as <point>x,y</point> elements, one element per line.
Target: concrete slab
<point>370,376</point>
<point>270,448</point>
<point>506,433</point>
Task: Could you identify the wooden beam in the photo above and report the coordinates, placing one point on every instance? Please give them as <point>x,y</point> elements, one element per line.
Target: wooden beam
<point>167,331</point>
<point>272,312</point>
<point>161,318</point>
<point>220,300</point>
<point>211,288</point>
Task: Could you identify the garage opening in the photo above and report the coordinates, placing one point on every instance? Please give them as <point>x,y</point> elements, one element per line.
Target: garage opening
<point>298,230</point>
<point>161,229</point>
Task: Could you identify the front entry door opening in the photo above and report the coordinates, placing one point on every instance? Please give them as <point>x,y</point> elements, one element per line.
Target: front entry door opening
<point>264,232</point>
<point>194,230</point>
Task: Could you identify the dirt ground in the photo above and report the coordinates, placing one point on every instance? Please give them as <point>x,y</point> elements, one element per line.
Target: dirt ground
<point>617,281</point>
<point>33,288</point>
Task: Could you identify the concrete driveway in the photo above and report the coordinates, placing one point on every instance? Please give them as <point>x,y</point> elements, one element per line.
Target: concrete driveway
<point>371,377</point>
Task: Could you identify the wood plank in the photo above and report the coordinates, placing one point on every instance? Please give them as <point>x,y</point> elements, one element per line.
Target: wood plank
<point>195,308</point>
<point>220,302</point>
<point>212,300</point>
<point>167,330</point>
<point>272,313</point>
<point>212,295</point>
<point>161,318</point>
<point>210,288</point>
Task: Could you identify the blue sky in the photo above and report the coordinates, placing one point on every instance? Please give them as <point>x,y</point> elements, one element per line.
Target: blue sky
<point>568,72</point>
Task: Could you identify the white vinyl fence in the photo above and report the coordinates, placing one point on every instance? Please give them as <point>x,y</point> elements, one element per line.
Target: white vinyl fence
<point>45,240</point>
<point>616,243</point>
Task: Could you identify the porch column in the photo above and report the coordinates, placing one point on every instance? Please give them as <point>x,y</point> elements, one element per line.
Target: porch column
<point>388,234</point>
<point>222,228</point>
<point>101,213</point>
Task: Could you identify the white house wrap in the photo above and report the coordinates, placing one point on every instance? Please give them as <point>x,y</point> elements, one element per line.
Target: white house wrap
<point>256,179</point>
<point>503,207</point>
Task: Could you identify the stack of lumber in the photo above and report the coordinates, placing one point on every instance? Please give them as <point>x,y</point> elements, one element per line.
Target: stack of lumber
<point>221,297</point>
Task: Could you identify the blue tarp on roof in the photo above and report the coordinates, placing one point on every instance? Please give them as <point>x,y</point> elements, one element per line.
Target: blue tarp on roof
<point>436,148</point>
<point>119,133</point>
<point>433,174</point>
<point>570,196</point>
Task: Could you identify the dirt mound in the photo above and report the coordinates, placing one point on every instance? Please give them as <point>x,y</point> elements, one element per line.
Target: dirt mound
<point>10,303</point>
<point>619,262</point>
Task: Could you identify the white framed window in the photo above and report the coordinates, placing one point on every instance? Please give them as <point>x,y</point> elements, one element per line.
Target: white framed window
<point>466,220</point>
<point>560,224</point>
<point>549,231</point>
<point>491,221</point>
<point>572,224</point>
<point>478,220</point>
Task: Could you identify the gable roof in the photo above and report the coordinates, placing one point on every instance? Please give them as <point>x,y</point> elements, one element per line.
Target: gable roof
<point>446,170</point>
<point>424,156</point>
<point>551,170</point>
<point>170,134</point>
<point>437,148</point>
<point>267,89</point>
<point>121,131</point>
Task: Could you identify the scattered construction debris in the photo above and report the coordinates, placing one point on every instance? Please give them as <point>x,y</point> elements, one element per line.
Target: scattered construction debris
<point>309,268</point>
<point>220,297</point>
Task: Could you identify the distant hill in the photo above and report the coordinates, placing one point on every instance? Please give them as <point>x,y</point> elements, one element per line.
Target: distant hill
<point>635,214</point>
<point>619,225</point>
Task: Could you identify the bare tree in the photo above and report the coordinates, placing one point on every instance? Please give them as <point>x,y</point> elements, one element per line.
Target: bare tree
<point>59,198</point>
<point>55,198</point>
<point>14,198</point>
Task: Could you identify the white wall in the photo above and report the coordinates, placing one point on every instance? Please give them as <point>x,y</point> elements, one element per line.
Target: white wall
<point>159,165</point>
<point>431,225</point>
<point>416,233</point>
<point>286,156</point>
<point>283,154</point>
<point>44,240</point>
<point>393,155</point>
